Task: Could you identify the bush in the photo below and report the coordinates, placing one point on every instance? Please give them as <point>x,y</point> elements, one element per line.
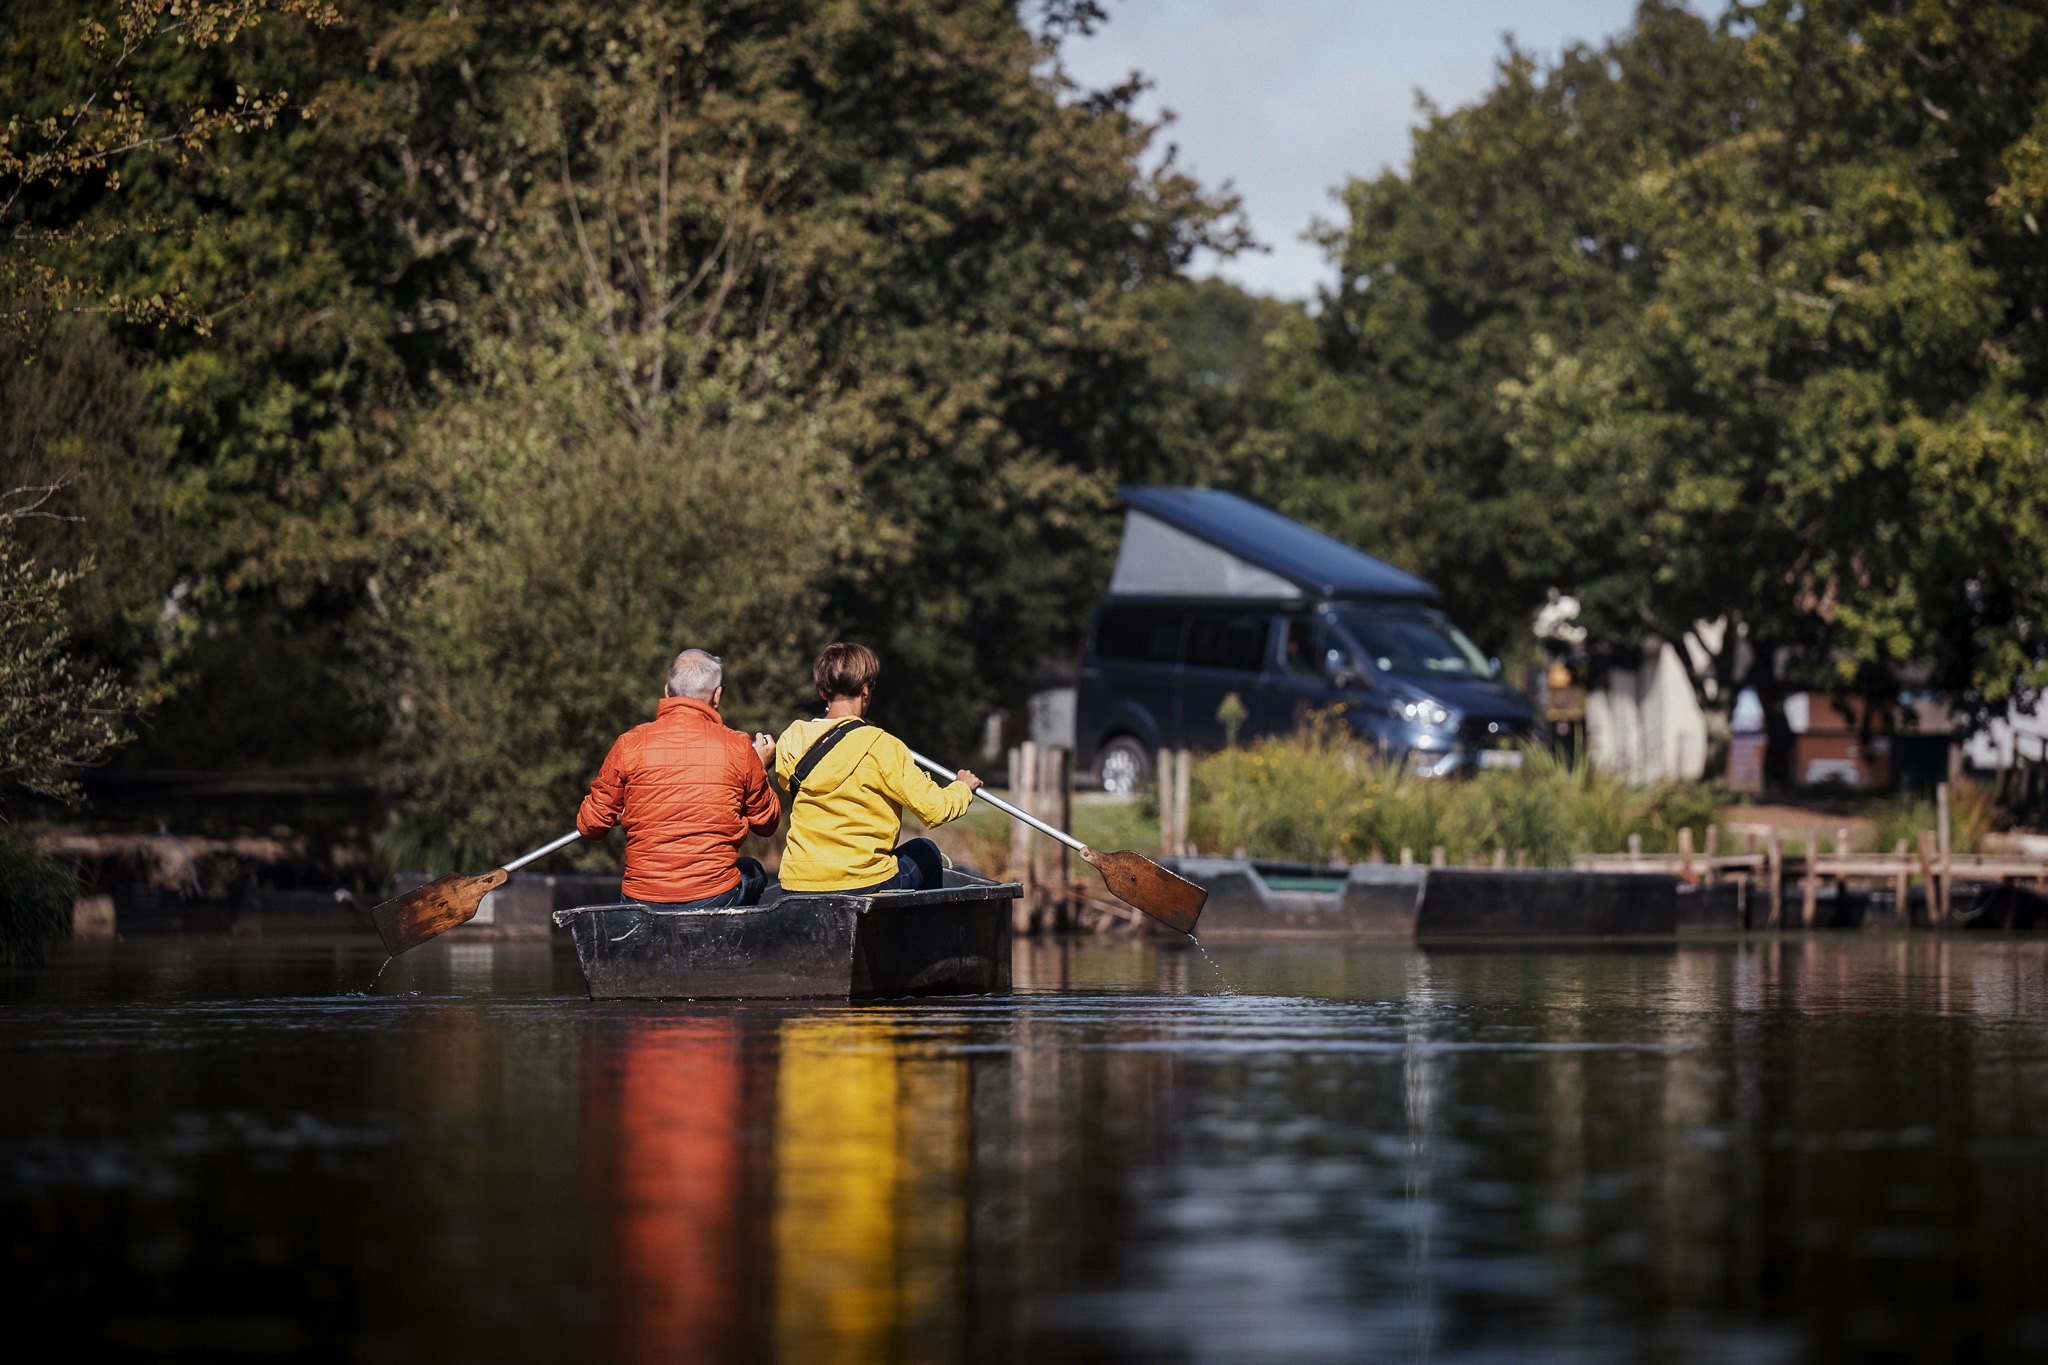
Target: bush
<point>549,633</point>
<point>1320,793</point>
<point>36,895</point>
<point>1971,810</point>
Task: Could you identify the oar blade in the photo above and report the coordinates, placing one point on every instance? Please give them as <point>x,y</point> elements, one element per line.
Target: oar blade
<point>1136,880</point>
<point>407,921</point>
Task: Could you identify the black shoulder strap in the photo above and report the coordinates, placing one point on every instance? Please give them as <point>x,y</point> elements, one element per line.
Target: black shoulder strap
<point>815,755</point>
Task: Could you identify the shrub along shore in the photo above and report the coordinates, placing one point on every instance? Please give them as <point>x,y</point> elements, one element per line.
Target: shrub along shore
<point>1320,796</point>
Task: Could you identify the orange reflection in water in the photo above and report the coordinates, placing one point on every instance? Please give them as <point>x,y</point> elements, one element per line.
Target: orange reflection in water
<point>845,1238</point>
<point>665,1123</point>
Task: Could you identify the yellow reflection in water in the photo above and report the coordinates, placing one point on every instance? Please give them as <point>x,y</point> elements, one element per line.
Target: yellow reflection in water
<point>870,1210</point>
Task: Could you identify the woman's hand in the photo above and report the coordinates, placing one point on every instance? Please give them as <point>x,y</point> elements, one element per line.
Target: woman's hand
<point>968,779</point>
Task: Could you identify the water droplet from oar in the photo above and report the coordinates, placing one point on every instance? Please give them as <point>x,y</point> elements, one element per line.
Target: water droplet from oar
<point>1229,986</point>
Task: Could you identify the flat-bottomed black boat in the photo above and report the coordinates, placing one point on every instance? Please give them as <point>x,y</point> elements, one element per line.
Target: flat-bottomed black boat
<point>951,941</point>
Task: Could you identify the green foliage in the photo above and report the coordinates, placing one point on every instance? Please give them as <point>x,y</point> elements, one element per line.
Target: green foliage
<point>1319,794</point>
<point>58,712</point>
<point>890,237</point>
<point>1972,810</point>
<point>86,120</point>
<point>1730,321</point>
<point>549,628</point>
<point>77,420</point>
<point>36,896</point>
<point>1379,420</point>
<point>636,463</point>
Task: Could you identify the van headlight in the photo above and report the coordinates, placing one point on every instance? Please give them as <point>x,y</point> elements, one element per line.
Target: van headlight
<point>1424,713</point>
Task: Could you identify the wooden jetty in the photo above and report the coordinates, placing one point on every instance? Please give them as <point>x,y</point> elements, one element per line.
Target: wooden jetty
<point>1768,875</point>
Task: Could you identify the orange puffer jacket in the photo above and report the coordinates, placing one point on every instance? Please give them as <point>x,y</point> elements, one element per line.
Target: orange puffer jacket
<point>687,790</point>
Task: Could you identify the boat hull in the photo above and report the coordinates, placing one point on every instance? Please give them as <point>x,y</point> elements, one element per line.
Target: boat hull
<point>951,941</point>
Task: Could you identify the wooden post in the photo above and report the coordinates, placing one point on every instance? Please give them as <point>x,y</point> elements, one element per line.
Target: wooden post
<point>1056,807</point>
<point>1436,855</point>
<point>1023,784</point>
<point>1928,856</point>
<point>1500,859</point>
<point>1066,821</point>
<point>1774,872</point>
<point>1183,785</point>
<point>1713,851</point>
<point>1902,885</point>
<point>1941,814</point>
<point>1635,847</point>
<point>1041,888</point>
<point>1842,842</point>
<point>1685,855</point>
<point>1809,889</point>
<point>1407,857</point>
<point>1521,859</point>
<point>1162,773</point>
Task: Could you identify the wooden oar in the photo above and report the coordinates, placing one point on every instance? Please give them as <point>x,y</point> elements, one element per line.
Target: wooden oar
<point>1131,877</point>
<point>408,921</point>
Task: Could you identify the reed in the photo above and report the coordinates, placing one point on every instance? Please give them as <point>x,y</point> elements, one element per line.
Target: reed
<point>1971,810</point>
<point>36,893</point>
<point>1317,792</point>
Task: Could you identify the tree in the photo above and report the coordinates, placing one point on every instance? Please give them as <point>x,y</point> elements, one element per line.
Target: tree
<point>58,713</point>
<point>81,122</point>
<point>633,462</point>
<point>1823,422</point>
<point>1379,420</point>
<point>965,243</point>
<point>1735,325</point>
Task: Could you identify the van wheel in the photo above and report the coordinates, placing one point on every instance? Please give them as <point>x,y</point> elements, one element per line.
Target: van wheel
<point>1122,766</point>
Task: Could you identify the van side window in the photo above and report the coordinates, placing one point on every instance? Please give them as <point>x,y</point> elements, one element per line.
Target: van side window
<point>1308,646</point>
<point>1139,634</point>
<point>1236,642</point>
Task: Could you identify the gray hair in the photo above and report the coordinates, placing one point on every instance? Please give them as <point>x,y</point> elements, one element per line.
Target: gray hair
<point>695,673</point>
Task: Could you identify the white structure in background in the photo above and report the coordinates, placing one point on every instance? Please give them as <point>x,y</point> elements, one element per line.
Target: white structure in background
<point>2009,738</point>
<point>1052,716</point>
<point>1645,724</point>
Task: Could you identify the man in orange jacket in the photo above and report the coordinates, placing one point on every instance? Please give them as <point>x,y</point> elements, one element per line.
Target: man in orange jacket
<point>687,789</point>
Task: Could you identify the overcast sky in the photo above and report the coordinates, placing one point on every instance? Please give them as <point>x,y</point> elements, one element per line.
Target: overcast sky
<point>1287,99</point>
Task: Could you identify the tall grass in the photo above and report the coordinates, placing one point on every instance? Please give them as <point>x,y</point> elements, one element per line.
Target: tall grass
<point>1971,810</point>
<point>1319,794</point>
<point>36,892</point>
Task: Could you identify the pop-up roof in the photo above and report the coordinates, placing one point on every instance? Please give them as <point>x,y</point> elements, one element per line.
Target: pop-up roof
<point>1203,542</point>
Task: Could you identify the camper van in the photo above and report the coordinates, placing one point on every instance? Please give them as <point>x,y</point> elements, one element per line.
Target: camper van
<point>1216,598</point>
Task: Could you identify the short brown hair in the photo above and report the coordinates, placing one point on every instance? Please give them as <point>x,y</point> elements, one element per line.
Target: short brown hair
<point>844,670</point>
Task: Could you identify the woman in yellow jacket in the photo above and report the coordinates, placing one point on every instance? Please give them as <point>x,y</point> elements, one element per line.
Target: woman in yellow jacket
<point>849,782</point>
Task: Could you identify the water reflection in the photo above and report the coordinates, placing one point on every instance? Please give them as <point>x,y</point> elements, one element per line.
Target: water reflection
<point>1814,1147</point>
<point>663,1136</point>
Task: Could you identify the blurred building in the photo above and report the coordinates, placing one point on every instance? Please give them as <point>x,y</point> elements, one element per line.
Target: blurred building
<point>1644,723</point>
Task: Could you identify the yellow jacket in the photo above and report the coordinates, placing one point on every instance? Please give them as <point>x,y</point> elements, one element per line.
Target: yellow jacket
<point>849,814</point>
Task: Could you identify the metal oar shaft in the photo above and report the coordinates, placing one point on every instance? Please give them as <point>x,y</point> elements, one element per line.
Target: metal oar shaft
<point>1005,807</point>
<point>522,860</point>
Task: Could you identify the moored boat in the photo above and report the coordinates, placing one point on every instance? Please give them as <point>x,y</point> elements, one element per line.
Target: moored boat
<point>951,941</point>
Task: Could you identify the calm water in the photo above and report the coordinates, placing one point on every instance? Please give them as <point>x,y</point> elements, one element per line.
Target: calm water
<point>1824,1149</point>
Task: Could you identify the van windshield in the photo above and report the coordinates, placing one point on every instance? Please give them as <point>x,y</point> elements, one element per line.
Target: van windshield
<point>1411,644</point>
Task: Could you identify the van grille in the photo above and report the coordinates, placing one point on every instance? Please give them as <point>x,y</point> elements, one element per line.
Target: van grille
<point>1503,734</point>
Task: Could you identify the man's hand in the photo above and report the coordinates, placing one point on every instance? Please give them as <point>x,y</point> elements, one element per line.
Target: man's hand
<point>764,749</point>
<point>971,782</point>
